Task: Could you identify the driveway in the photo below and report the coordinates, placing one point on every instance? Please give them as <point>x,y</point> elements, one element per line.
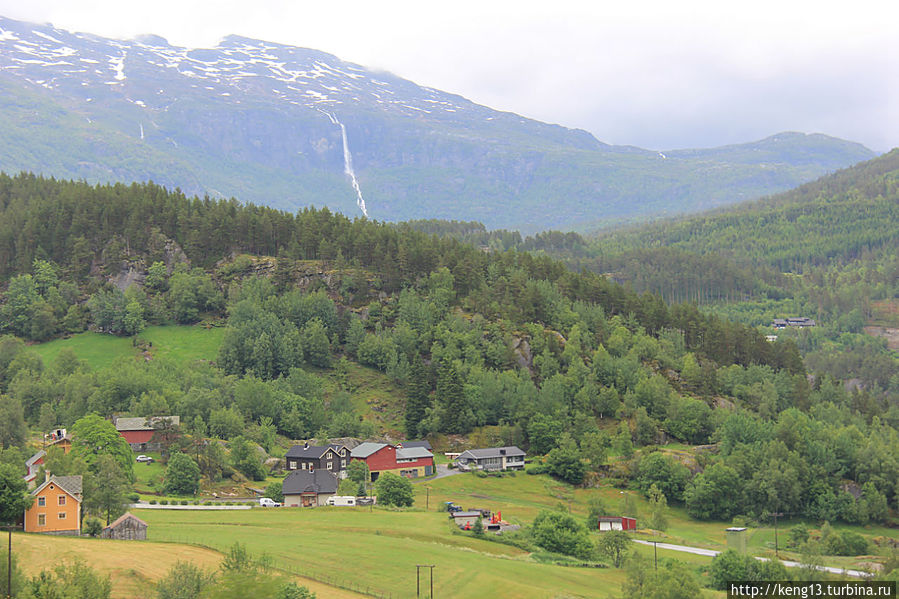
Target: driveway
<point>713,553</point>
<point>443,470</point>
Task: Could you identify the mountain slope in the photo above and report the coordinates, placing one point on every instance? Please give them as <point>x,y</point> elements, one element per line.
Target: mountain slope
<point>266,123</point>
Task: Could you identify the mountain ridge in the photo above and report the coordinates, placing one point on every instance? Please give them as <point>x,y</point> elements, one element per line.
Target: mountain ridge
<point>256,120</point>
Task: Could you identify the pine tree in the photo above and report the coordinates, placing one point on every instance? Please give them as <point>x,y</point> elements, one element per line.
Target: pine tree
<point>457,413</point>
<point>418,398</point>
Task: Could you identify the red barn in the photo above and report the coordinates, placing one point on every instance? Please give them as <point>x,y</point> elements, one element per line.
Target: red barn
<point>138,432</point>
<point>411,462</point>
<point>616,523</point>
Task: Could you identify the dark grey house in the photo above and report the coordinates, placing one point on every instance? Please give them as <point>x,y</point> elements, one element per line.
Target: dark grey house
<point>494,458</point>
<point>332,458</point>
<point>308,488</point>
<point>415,444</point>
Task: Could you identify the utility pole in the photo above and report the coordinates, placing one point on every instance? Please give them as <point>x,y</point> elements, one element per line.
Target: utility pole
<point>418,568</point>
<point>427,498</point>
<point>776,514</point>
<point>655,551</point>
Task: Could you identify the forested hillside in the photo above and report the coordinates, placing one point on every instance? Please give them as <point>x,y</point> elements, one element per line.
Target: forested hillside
<point>511,345</point>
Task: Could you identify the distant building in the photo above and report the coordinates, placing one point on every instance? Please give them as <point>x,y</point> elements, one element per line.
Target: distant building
<point>139,432</point>
<point>128,527</point>
<point>57,507</point>
<point>411,462</point>
<point>308,488</point>
<point>410,444</point>
<point>32,466</point>
<point>801,321</point>
<point>616,523</point>
<point>494,458</point>
<point>333,458</point>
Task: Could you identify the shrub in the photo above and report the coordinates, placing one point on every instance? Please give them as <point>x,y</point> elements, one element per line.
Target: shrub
<point>92,527</point>
<point>133,497</point>
<point>163,502</point>
<point>561,533</point>
<point>184,502</point>
<point>152,502</point>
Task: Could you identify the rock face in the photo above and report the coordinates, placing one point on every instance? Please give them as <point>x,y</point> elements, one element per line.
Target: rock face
<point>281,125</point>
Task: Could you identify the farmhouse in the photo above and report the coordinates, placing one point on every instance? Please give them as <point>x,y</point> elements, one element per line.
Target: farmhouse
<point>128,527</point>
<point>616,523</point>
<point>139,432</point>
<point>308,488</point>
<point>467,520</point>
<point>57,507</point>
<point>333,458</point>
<point>411,462</point>
<point>32,465</point>
<point>801,321</point>
<point>495,458</point>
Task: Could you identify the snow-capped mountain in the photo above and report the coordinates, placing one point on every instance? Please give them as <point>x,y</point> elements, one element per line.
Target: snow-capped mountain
<point>289,126</point>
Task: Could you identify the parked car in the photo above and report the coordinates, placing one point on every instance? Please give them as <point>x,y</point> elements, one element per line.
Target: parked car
<point>267,502</point>
<point>145,459</point>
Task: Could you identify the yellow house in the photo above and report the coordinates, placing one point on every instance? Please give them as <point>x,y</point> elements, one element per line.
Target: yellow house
<point>57,506</point>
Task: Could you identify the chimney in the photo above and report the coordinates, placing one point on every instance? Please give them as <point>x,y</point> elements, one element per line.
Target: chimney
<point>305,444</point>
<point>502,452</point>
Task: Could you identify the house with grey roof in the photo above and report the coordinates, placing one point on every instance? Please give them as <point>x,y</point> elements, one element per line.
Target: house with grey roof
<point>494,458</point>
<point>140,432</point>
<point>333,458</point>
<point>308,488</point>
<point>411,462</point>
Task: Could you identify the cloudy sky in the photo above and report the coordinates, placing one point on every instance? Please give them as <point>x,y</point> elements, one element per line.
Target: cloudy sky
<point>656,74</point>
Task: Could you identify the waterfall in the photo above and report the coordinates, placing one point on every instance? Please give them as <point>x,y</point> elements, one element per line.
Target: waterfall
<point>348,163</point>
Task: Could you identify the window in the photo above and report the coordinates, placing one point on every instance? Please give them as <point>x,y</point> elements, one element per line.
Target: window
<point>62,500</point>
<point>41,501</point>
<point>293,465</point>
<point>304,465</point>
<point>61,515</point>
<point>42,520</point>
<point>330,465</point>
<point>343,463</point>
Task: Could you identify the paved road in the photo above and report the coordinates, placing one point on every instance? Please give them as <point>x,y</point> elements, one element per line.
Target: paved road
<point>442,471</point>
<point>146,506</point>
<point>713,553</point>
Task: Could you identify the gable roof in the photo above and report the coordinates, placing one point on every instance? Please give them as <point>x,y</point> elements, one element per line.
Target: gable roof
<point>31,461</point>
<point>143,424</point>
<point>413,453</point>
<point>304,481</point>
<point>409,444</point>
<point>126,516</point>
<point>366,449</point>
<point>492,452</point>
<point>70,484</point>
<point>307,451</point>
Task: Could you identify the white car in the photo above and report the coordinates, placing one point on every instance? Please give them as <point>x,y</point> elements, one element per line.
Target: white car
<point>267,502</point>
<point>145,458</point>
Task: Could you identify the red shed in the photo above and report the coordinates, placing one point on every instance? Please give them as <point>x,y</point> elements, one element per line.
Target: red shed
<point>616,523</point>
<point>138,432</point>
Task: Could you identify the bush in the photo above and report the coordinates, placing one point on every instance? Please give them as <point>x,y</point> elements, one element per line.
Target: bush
<point>561,533</point>
<point>163,502</point>
<point>152,502</point>
<point>480,474</point>
<point>133,497</point>
<point>92,527</point>
<point>394,490</point>
<point>184,502</point>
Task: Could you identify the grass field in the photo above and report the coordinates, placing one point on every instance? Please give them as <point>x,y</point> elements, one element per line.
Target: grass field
<point>133,566</point>
<point>377,552</point>
<point>183,343</point>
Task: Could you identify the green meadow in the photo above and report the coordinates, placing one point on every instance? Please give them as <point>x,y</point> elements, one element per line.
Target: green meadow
<point>99,350</point>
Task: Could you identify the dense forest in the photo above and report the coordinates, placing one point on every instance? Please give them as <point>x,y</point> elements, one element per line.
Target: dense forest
<point>569,365</point>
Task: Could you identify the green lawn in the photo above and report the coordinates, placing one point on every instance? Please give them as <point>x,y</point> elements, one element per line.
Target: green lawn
<point>378,551</point>
<point>99,350</point>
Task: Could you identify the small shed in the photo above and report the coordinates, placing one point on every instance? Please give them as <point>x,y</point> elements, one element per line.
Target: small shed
<point>467,519</point>
<point>736,538</point>
<point>127,528</point>
<point>616,523</point>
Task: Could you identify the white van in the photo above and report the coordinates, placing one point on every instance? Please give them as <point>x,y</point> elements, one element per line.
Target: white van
<point>341,500</point>
<point>267,502</point>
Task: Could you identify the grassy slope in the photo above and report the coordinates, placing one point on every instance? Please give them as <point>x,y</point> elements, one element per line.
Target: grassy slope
<point>133,566</point>
<point>379,549</point>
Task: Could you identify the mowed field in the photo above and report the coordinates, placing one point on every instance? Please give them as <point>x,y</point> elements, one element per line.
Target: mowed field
<point>182,343</point>
<point>376,552</point>
<point>133,566</point>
